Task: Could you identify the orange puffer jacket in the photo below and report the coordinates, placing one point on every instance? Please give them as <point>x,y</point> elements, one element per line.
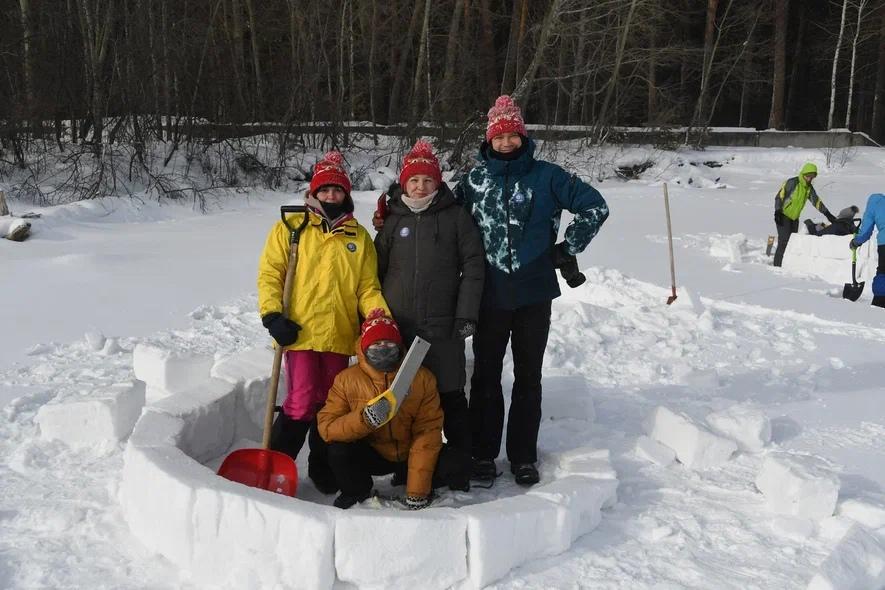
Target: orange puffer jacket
<point>414,434</point>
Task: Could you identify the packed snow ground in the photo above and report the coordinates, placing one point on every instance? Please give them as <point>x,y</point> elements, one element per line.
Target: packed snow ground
<point>744,339</point>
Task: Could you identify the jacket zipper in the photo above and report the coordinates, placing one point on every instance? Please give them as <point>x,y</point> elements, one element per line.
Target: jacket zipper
<point>415,274</point>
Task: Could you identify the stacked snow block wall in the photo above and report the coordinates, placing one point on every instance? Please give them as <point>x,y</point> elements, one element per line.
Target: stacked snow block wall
<point>829,258</point>
<point>226,534</point>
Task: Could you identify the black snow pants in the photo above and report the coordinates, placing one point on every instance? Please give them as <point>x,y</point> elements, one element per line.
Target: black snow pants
<point>355,463</point>
<point>879,300</point>
<point>785,229</point>
<point>526,328</point>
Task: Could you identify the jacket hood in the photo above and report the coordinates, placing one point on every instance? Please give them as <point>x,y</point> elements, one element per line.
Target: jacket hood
<point>808,168</point>
<point>497,167</point>
<point>444,198</point>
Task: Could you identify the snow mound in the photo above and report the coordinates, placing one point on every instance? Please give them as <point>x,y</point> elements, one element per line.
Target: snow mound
<point>856,563</point>
<point>213,529</point>
<point>167,371</point>
<point>731,248</point>
<point>798,485</point>
<point>695,446</point>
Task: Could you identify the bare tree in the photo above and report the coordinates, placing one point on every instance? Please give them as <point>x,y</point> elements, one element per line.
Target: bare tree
<point>860,8</point>
<point>830,117</point>
<point>776,117</point>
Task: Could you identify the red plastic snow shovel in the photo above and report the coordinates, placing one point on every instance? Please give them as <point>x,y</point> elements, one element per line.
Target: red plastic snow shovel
<point>264,468</point>
<point>852,290</point>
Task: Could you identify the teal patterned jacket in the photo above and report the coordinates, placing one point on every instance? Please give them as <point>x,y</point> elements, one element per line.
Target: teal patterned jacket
<point>517,206</point>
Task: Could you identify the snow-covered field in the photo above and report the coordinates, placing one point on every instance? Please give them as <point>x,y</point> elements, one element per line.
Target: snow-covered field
<point>763,383</point>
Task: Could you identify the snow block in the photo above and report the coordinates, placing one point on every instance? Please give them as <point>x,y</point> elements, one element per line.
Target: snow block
<point>222,533</point>
<point>567,397</point>
<point>250,372</point>
<point>747,426</point>
<point>695,446</point>
<point>856,563</point>
<point>579,501</point>
<point>798,485</point>
<point>649,449</point>
<point>167,372</point>
<point>591,463</point>
<point>866,513</point>
<point>829,258</point>
<point>209,416</point>
<point>393,549</point>
<point>105,417</point>
<point>506,533</point>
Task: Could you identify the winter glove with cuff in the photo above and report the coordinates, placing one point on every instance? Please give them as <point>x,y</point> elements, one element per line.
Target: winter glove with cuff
<point>281,328</point>
<point>853,245</point>
<point>416,502</point>
<point>463,329</point>
<point>779,217</point>
<point>376,414</point>
<point>567,264</point>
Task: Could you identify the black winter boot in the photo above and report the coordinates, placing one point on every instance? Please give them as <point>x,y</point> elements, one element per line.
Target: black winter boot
<point>345,501</point>
<point>526,473</point>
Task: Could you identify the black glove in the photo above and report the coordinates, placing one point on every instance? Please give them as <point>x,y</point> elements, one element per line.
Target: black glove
<point>567,265</point>
<point>282,329</point>
<point>778,217</point>
<point>830,217</point>
<point>463,329</point>
<point>853,245</point>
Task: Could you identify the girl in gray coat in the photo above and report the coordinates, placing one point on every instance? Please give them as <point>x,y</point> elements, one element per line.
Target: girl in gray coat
<point>431,266</point>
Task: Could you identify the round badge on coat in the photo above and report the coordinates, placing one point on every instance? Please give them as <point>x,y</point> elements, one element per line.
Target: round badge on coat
<point>351,246</point>
<point>404,232</point>
<point>518,198</point>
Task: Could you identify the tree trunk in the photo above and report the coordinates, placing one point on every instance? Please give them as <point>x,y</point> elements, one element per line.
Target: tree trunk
<point>396,86</point>
<point>795,70</point>
<point>831,116</point>
<point>419,66</point>
<point>860,8</point>
<point>508,78</point>
<point>27,57</point>
<point>706,66</point>
<point>776,116</point>
<point>258,101</point>
<point>550,20</point>
<point>616,68</point>
<point>487,71</point>
<point>652,103</point>
<point>879,96</point>
<point>449,106</point>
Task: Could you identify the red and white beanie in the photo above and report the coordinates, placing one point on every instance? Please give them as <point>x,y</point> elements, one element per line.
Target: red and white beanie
<point>504,117</point>
<point>330,170</point>
<point>420,160</point>
<point>379,326</point>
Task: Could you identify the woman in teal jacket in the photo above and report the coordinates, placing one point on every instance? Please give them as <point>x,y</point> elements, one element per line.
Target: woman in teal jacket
<point>874,215</point>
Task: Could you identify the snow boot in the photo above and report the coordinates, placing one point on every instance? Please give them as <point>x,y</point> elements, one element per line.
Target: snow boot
<point>484,473</point>
<point>345,501</point>
<point>526,473</point>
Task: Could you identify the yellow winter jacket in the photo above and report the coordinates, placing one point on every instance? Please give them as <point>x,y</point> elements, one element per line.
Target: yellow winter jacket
<point>336,278</point>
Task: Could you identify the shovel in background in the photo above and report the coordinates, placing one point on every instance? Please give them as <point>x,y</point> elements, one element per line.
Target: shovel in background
<point>264,468</point>
<point>852,290</point>
<point>672,297</point>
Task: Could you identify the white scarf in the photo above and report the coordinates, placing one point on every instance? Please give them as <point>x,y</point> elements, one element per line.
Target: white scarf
<point>419,205</point>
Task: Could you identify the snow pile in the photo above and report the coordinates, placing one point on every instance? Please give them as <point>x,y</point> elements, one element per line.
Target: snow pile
<point>167,372</point>
<point>649,449</point>
<point>856,563</point>
<point>732,248</point>
<point>105,417</point>
<point>829,258</point>
<point>798,485</point>
<point>749,427</point>
<point>567,397</point>
<point>695,446</point>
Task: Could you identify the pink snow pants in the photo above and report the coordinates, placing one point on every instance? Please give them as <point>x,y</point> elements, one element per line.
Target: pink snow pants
<point>310,376</point>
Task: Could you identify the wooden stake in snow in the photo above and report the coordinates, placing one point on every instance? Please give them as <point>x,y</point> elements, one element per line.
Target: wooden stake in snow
<point>672,297</point>
<point>4,209</point>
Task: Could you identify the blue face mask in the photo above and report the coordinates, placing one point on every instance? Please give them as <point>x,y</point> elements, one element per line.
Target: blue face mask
<point>382,357</point>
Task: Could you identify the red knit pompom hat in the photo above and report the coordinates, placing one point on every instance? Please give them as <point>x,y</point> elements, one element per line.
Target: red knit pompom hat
<point>420,161</point>
<point>330,170</point>
<point>504,117</point>
<point>379,326</point>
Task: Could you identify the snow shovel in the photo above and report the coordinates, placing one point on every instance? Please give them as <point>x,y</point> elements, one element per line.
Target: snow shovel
<point>672,297</point>
<point>852,290</point>
<point>264,468</point>
<point>402,382</point>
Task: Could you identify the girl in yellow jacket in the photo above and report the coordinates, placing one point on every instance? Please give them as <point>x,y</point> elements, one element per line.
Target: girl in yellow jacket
<point>335,282</point>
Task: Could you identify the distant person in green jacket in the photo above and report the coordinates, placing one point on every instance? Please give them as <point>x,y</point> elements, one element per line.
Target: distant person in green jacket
<point>788,204</point>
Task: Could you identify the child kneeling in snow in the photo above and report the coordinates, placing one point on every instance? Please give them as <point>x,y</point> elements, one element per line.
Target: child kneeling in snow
<point>360,445</point>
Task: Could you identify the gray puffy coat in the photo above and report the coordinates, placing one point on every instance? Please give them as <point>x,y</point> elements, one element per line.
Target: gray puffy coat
<point>431,266</point>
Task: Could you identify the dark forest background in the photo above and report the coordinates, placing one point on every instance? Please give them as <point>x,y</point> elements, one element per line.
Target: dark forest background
<point>159,69</point>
